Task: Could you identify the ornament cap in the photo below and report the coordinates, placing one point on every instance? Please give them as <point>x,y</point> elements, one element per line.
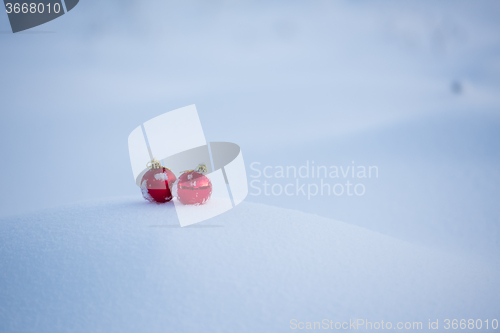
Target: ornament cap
<point>154,164</point>
<point>201,168</point>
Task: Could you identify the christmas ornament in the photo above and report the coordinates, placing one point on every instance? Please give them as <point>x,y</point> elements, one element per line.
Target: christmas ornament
<point>193,187</point>
<point>157,182</point>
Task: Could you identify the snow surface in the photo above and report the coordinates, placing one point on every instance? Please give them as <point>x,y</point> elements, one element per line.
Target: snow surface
<point>288,81</point>
<point>125,265</point>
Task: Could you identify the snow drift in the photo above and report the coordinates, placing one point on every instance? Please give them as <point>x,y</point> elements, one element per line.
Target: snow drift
<point>126,265</point>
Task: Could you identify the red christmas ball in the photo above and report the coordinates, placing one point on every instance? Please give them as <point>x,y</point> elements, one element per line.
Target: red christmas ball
<point>193,187</point>
<point>156,184</point>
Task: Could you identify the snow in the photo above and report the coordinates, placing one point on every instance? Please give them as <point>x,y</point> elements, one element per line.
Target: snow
<point>146,195</point>
<point>126,265</point>
<point>289,82</point>
<point>161,176</point>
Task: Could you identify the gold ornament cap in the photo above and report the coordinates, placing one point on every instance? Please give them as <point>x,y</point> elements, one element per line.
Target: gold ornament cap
<point>154,164</point>
<point>201,168</point>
